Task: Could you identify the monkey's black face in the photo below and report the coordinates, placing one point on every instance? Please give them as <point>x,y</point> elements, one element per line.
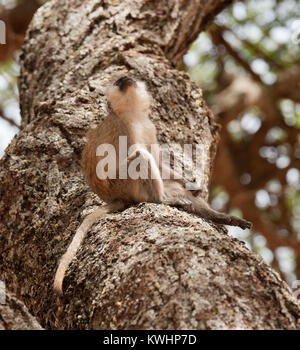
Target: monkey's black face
<point>124,82</point>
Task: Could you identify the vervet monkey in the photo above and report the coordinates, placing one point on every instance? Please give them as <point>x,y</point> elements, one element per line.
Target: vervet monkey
<point>130,104</point>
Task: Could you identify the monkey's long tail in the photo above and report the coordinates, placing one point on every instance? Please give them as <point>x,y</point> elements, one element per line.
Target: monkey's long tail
<point>80,234</point>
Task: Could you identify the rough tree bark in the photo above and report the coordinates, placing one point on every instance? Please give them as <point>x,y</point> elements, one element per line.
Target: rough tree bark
<point>14,315</point>
<point>151,266</point>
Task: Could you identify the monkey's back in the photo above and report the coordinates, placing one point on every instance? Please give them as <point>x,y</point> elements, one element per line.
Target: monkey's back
<point>108,132</point>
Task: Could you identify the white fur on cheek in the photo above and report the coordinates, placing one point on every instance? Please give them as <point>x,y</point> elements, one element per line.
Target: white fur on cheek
<point>143,96</point>
<point>141,90</point>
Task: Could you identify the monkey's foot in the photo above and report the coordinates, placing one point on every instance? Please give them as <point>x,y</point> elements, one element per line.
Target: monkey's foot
<point>235,221</point>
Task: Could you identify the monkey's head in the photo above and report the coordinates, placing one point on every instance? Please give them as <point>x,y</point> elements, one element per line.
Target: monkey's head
<point>128,97</point>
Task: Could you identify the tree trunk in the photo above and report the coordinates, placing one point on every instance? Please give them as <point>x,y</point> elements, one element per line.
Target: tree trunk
<point>151,266</point>
<point>15,316</point>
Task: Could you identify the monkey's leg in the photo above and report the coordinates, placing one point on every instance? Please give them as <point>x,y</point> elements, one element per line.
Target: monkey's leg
<point>81,232</point>
<point>150,188</point>
<point>201,208</point>
<point>178,196</point>
<point>220,218</point>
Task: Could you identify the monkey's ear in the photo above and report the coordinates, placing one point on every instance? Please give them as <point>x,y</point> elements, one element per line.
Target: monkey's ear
<point>109,107</point>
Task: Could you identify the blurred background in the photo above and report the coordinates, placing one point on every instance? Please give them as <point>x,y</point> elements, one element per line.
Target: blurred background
<point>247,64</point>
